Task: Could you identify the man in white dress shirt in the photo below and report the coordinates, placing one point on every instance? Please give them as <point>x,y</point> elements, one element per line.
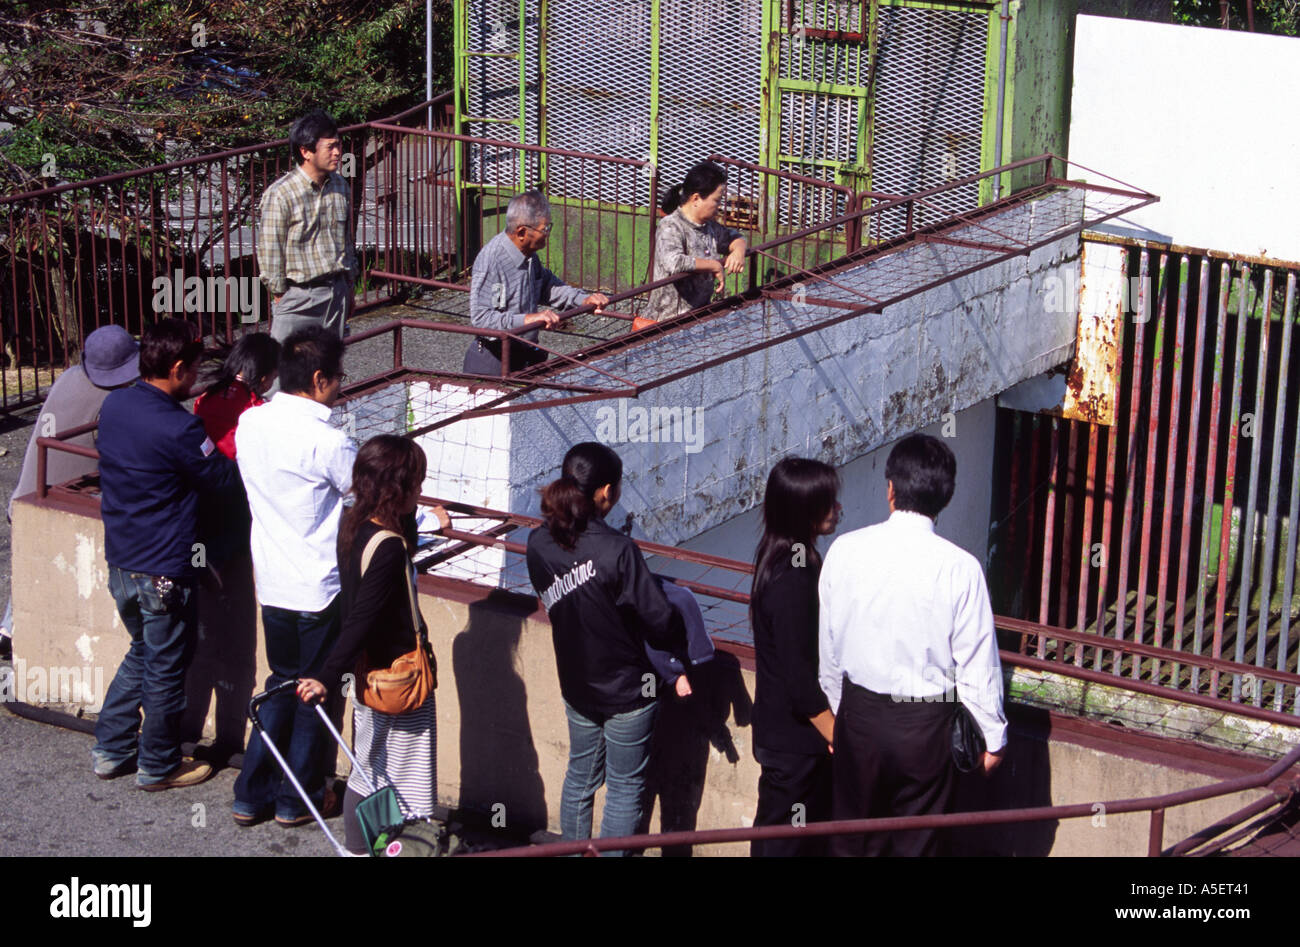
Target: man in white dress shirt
<point>905,621</point>
<point>296,467</point>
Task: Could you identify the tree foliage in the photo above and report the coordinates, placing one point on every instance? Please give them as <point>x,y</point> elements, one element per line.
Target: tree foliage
<point>95,87</point>
<point>1270,16</point>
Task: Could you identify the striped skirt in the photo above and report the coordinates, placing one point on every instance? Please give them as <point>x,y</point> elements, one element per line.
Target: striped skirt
<point>398,750</point>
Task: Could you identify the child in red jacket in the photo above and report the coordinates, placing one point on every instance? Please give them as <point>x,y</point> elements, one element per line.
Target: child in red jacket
<point>246,373</point>
<point>244,377</point>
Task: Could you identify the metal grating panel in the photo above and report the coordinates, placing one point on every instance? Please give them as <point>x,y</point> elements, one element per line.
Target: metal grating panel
<point>799,205</point>
<point>599,103</point>
<point>710,83</point>
<point>493,81</point>
<point>819,127</point>
<point>818,60</point>
<point>929,104</point>
<point>811,57</point>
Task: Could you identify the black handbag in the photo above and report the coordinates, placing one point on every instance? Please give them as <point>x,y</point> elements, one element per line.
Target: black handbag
<point>968,746</point>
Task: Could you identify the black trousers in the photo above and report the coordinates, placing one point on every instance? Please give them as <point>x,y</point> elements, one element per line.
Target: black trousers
<point>789,780</point>
<point>892,758</point>
<point>484,358</point>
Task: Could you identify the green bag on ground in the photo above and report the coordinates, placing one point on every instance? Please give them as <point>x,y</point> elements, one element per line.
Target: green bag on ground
<point>418,839</point>
<point>376,813</point>
<point>389,835</point>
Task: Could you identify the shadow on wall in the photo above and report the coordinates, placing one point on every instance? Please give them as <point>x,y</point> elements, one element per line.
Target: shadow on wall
<point>684,732</point>
<point>1024,780</point>
<point>498,760</point>
<point>225,657</point>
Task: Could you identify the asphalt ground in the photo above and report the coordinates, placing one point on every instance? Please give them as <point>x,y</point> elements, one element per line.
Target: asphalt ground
<point>54,804</point>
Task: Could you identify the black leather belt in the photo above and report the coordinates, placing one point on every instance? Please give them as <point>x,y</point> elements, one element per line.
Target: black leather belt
<point>326,280</point>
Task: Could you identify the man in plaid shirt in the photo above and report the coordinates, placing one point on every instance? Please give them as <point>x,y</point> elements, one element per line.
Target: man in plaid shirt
<point>305,246</point>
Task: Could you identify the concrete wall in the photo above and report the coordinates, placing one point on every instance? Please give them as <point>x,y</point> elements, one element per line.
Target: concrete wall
<point>863,493</point>
<point>1218,152</point>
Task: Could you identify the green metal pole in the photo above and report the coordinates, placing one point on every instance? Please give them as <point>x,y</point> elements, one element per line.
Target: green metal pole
<point>655,11</point>
<point>460,89</point>
<point>543,27</point>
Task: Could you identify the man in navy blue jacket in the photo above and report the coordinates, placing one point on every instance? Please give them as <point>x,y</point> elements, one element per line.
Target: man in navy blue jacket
<point>154,459</point>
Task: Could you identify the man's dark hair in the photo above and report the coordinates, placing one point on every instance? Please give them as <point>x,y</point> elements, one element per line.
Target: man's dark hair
<point>307,352</point>
<point>309,130</point>
<point>165,343</point>
<point>923,471</point>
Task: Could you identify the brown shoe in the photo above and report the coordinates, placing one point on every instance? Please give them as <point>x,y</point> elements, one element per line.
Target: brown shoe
<point>331,805</point>
<point>189,773</point>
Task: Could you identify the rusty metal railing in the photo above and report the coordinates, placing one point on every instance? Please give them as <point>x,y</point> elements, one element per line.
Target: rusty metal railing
<point>178,238</point>
<point>785,300</point>
<point>1157,806</point>
<point>59,442</point>
<point>768,203</point>
<point>1174,525</point>
<point>596,241</point>
<point>722,583</point>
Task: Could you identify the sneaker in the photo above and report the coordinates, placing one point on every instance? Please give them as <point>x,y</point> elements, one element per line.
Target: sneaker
<point>330,806</point>
<point>249,819</point>
<point>188,773</point>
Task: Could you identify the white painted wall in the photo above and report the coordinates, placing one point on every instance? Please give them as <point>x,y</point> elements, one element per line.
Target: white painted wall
<point>1202,117</point>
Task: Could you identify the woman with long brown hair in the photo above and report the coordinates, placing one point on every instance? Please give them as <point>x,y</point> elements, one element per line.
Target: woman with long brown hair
<point>381,622</point>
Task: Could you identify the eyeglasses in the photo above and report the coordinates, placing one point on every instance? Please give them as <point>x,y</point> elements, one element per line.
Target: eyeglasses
<point>546,229</point>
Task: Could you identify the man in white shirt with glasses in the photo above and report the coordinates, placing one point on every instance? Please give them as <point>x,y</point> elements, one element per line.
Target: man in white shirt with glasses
<point>297,467</point>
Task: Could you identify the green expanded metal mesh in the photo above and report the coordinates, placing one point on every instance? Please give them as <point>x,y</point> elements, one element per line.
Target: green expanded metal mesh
<point>710,83</point>
<point>929,103</point>
<point>598,90</point>
<point>502,94</point>
<point>886,97</point>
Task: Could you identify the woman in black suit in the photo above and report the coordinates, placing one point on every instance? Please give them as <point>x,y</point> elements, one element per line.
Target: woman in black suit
<point>793,722</point>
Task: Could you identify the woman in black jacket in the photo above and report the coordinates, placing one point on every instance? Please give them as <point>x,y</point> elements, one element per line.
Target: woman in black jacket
<point>792,718</point>
<point>604,606</point>
<point>380,618</point>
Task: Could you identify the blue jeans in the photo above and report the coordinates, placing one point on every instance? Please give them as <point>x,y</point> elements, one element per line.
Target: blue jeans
<point>612,751</point>
<point>150,678</point>
<point>297,644</point>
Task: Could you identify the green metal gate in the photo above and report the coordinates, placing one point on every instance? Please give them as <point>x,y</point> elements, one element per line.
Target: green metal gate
<point>887,97</point>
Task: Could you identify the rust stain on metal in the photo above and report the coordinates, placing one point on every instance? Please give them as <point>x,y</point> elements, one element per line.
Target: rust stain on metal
<point>1093,375</point>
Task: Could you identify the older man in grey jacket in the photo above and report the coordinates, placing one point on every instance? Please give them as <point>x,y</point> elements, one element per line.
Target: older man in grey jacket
<point>513,292</point>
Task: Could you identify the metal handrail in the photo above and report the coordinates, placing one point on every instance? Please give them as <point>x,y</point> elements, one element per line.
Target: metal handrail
<point>1004,623</point>
<point>1156,805</point>
<point>208,158</point>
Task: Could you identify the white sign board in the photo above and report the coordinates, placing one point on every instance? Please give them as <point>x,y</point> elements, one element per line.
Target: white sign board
<point>1205,118</point>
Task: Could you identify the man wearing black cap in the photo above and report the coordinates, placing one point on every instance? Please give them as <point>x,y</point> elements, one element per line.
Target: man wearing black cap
<point>109,359</point>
